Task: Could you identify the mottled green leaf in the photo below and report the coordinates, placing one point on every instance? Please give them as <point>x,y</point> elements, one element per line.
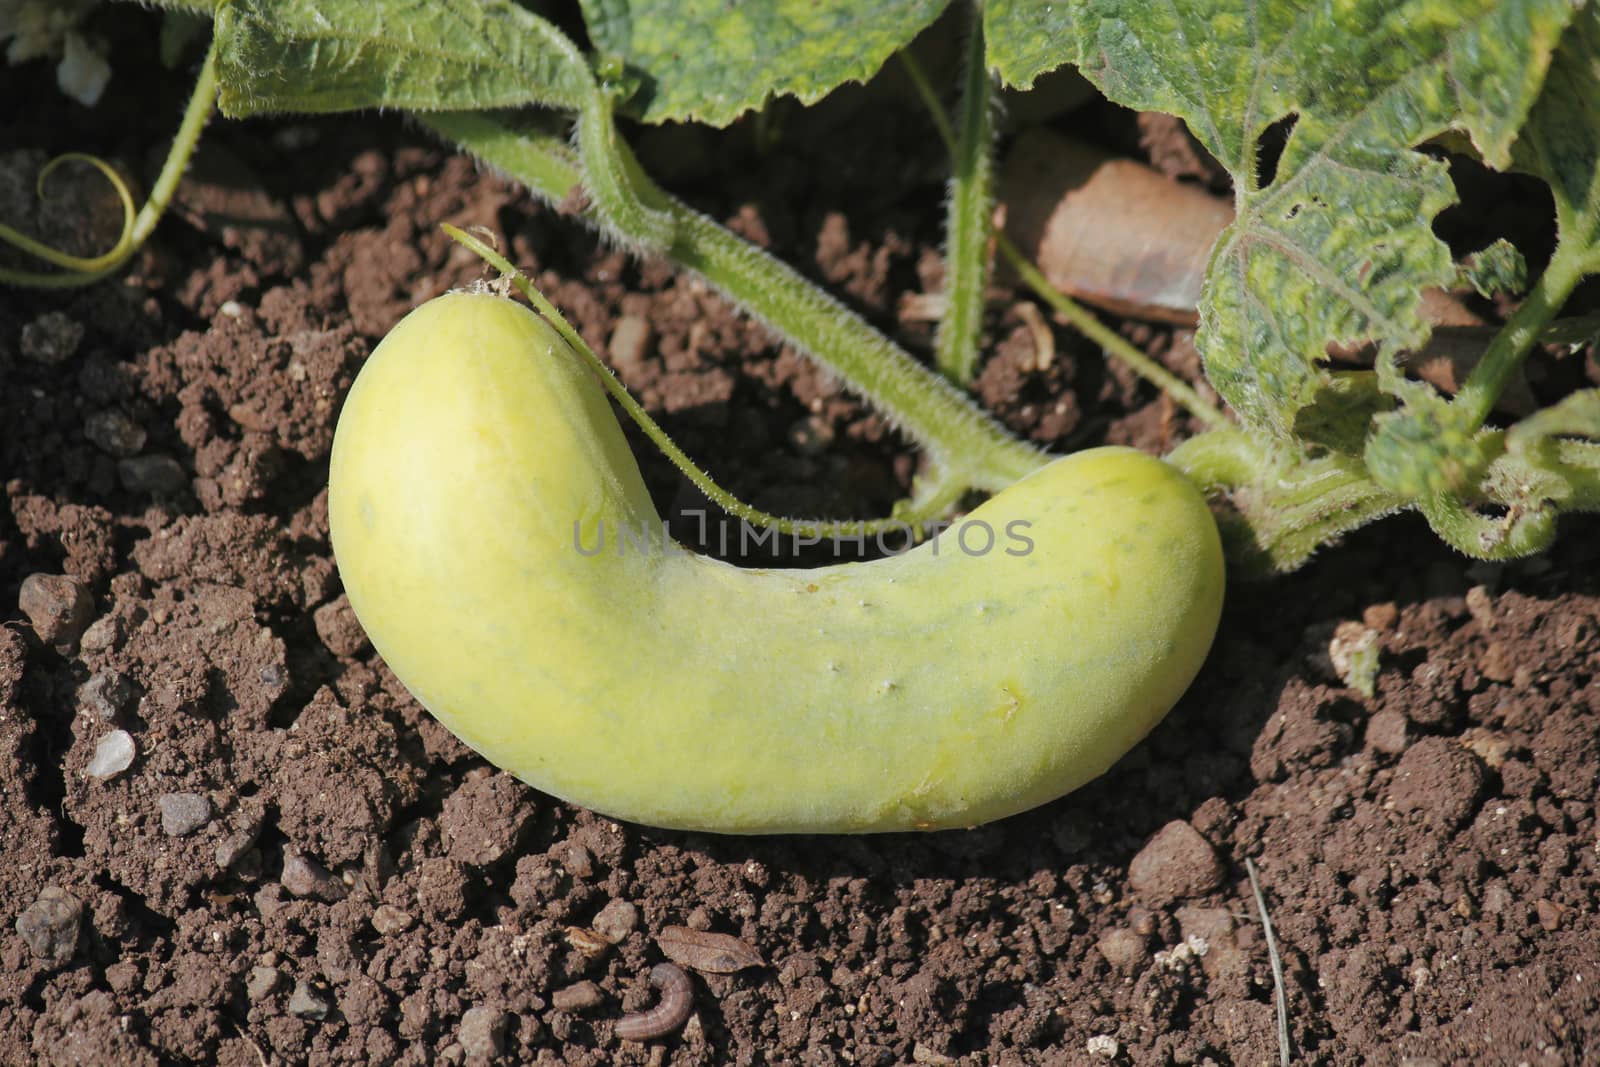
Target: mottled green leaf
<point>1026,38</point>
<point>713,60</point>
<point>1495,270</point>
<point>1337,246</point>
<point>197,7</point>
<point>428,55</point>
<point>1429,449</point>
<point>1562,141</point>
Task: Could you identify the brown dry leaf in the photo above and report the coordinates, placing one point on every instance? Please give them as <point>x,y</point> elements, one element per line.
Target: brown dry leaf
<point>708,952</point>
<point>587,942</point>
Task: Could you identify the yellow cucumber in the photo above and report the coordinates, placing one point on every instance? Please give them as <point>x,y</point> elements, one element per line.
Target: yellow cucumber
<point>479,492</point>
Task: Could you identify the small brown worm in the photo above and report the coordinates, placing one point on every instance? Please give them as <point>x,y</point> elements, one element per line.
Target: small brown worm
<point>670,1012</point>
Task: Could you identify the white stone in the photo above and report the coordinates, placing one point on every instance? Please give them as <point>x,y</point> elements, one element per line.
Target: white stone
<point>113,755</point>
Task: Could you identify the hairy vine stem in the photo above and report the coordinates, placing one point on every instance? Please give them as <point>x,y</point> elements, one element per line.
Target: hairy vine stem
<point>960,439</point>
<point>968,216</point>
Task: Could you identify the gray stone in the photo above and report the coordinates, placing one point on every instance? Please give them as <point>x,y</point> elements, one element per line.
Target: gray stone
<point>52,925</point>
<point>114,433</point>
<point>482,1033</point>
<point>51,338</point>
<point>184,813</point>
<point>309,1002</point>
<point>154,475</point>
<point>105,634</point>
<point>107,694</point>
<point>305,877</point>
<point>231,849</point>
<point>616,920</point>
<point>263,982</point>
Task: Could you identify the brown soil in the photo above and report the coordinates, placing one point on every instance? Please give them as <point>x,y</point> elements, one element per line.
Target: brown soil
<point>300,866</point>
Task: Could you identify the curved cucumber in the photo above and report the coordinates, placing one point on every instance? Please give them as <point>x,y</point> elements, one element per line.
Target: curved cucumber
<point>943,687</point>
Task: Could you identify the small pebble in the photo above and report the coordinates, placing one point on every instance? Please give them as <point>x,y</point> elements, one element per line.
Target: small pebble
<point>630,340</point>
<point>308,1002</point>
<point>153,475</point>
<point>263,982</point>
<point>105,634</point>
<point>113,755</point>
<point>1177,863</point>
<point>58,606</point>
<point>231,849</point>
<point>52,925</point>
<point>305,877</point>
<point>577,997</point>
<point>106,694</point>
<point>616,920</point>
<point>1549,914</point>
<point>388,919</point>
<point>1103,1045</point>
<point>482,1033</point>
<point>337,626</point>
<point>577,859</point>
<point>114,433</point>
<point>1123,949</point>
<point>51,338</point>
<point>1387,731</point>
<point>183,813</point>
<point>1480,605</point>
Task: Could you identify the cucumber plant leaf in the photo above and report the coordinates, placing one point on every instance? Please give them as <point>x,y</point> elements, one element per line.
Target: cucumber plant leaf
<point>712,60</point>
<point>193,7</point>
<point>1337,244</point>
<point>1496,269</point>
<point>1026,38</point>
<point>426,55</point>
<point>1561,143</point>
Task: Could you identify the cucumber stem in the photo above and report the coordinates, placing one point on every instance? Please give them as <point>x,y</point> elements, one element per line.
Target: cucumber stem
<point>968,217</point>
<point>909,518</point>
<point>1516,338</point>
<point>1085,320</point>
<point>959,437</point>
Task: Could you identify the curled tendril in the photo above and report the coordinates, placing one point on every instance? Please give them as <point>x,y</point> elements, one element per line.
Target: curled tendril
<point>137,225</point>
<point>80,269</point>
<point>922,509</point>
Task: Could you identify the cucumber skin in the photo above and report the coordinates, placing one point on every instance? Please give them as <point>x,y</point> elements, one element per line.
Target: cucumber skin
<point>928,690</point>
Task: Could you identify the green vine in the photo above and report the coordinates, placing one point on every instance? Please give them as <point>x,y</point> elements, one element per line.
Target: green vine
<point>136,228</point>
<point>970,449</point>
<point>967,218</point>
<point>915,514</point>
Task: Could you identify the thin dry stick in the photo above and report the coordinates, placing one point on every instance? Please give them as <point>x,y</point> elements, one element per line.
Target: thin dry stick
<point>1277,965</point>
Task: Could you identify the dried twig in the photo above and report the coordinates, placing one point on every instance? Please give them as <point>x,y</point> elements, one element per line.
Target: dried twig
<point>1277,965</point>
